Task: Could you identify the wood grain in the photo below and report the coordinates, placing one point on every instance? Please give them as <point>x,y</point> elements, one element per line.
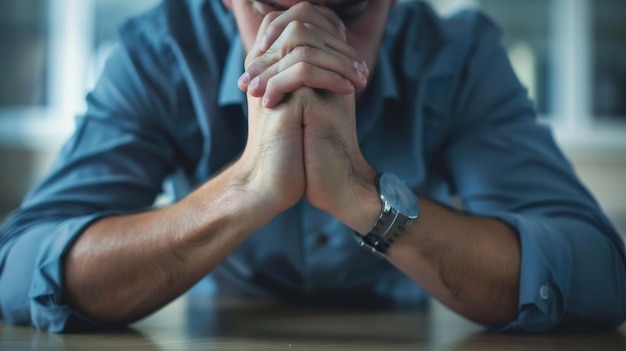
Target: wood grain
<point>194,323</point>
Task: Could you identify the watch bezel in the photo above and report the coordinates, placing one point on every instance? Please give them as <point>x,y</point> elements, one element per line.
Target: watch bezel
<point>398,184</point>
<point>376,240</point>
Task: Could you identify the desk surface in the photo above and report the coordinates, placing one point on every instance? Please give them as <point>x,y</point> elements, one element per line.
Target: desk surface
<point>194,323</point>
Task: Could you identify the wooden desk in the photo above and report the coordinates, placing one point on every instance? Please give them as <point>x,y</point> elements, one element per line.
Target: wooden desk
<point>194,323</point>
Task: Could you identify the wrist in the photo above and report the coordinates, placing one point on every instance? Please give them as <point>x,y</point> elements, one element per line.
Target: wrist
<point>364,204</point>
<point>244,183</point>
<point>218,207</point>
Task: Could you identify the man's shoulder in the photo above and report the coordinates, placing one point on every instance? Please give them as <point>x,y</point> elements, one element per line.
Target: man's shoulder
<point>178,28</point>
<point>432,54</point>
<point>149,30</point>
<point>416,29</point>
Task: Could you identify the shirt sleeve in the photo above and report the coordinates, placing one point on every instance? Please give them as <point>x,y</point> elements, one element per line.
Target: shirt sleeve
<point>115,163</point>
<point>505,164</point>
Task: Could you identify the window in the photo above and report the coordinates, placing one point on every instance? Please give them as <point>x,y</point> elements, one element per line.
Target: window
<point>571,56</point>
<point>609,59</point>
<point>526,35</point>
<point>24,52</point>
<point>108,15</point>
<point>51,51</point>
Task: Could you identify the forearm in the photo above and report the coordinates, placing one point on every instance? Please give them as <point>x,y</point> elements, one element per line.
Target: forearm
<point>470,264</point>
<point>123,268</point>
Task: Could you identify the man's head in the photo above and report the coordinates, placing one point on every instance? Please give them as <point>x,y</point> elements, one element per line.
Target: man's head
<point>364,20</point>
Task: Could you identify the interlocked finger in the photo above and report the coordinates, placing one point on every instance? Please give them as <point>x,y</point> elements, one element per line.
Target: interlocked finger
<point>302,75</point>
<point>318,16</point>
<point>345,67</point>
<point>297,36</point>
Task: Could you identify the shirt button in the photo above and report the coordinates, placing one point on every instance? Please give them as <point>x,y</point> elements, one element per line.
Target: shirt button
<point>544,292</point>
<point>322,239</point>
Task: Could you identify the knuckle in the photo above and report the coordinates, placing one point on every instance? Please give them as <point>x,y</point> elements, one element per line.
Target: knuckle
<point>270,17</point>
<point>257,64</point>
<point>271,84</point>
<point>296,27</point>
<point>302,69</point>
<point>249,60</point>
<point>303,6</point>
<point>268,22</point>
<point>301,53</point>
<point>262,80</point>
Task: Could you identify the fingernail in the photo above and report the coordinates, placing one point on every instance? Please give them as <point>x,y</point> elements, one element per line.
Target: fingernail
<point>365,67</point>
<point>254,83</point>
<point>265,101</point>
<point>361,76</point>
<point>360,71</point>
<point>244,79</point>
<point>342,26</point>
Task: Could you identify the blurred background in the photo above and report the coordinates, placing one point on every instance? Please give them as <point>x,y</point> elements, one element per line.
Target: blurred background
<point>570,54</point>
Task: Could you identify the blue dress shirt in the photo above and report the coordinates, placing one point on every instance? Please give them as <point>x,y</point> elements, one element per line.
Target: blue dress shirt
<point>443,110</point>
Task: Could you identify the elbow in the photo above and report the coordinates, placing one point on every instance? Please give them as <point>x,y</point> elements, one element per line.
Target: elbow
<point>104,309</point>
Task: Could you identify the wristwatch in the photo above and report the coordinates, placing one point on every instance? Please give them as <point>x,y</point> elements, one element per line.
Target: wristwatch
<point>399,209</point>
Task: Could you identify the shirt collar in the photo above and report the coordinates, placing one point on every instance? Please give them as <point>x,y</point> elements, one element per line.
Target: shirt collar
<point>229,93</point>
<point>383,88</point>
<point>384,80</point>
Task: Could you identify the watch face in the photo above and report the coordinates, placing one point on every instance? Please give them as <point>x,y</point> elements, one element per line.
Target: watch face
<point>398,194</point>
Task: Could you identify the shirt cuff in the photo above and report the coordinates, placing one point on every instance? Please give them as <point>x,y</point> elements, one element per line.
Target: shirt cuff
<point>32,278</point>
<point>546,273</point>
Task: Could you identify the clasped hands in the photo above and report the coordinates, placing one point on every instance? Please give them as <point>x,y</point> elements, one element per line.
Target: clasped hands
<point>301,78</point>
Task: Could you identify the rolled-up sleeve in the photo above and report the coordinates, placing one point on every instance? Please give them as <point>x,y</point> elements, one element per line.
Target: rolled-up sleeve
<point>505,164</point>
<point>31,280</point>
<point>115,163</point>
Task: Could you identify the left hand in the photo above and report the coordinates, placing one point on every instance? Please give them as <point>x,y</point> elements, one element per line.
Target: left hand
<point>339,180</point>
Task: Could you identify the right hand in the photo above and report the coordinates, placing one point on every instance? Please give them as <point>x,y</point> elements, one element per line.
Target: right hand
<point>272,164</point>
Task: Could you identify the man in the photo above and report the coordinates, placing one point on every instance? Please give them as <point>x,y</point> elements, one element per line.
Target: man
<point>359,120</point>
